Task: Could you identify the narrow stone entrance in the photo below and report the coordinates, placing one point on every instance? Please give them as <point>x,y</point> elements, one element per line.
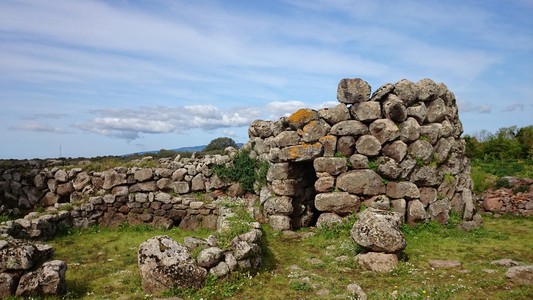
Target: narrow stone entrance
<point>303,202</point>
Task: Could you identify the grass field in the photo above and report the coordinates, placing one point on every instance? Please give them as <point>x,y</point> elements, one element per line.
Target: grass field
<point>102,264</point>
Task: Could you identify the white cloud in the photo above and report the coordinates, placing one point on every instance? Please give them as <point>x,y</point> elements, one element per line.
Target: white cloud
<point>277,109</point>
<point>130,124</point>
<point>513,107</point>
<point>38,127</point>
<point>466,106</point>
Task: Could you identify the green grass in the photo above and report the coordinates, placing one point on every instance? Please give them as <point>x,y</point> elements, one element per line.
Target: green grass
<point>102,264</point>
<point>485,173</point>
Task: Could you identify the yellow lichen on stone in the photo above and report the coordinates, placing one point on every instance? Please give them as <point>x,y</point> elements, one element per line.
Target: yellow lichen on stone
<point>302,117</point>
<point>301,152</point>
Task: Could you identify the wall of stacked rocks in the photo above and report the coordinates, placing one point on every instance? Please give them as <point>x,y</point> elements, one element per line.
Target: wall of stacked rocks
<point>164,196</point>
<point>399,149</point>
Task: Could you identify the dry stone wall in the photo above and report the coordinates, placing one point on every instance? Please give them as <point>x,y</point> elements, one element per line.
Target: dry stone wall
<point>398,149</point>
<point>164,196</point>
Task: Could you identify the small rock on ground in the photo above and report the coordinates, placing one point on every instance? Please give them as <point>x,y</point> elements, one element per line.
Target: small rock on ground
<point>505,262</point>
<point>437,263</point>
<point>357,291</point>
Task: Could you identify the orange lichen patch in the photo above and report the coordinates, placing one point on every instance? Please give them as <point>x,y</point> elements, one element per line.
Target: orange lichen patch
<point>302,117</point>
<point>301,152</point>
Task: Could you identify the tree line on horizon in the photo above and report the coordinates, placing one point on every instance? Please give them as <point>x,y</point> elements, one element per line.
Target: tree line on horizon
<point>508,143</point>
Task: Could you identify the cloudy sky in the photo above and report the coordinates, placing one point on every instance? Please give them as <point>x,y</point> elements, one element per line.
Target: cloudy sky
<point>115,77</point>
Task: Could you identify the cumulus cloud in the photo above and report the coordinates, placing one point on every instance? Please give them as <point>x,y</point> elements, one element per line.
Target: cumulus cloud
<point>278,109</point>
<point>466,106</point>
<point>130,124</point>
<point>513,107</point>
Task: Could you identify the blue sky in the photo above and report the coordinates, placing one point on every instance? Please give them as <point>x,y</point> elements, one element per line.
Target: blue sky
<point>115,77</point>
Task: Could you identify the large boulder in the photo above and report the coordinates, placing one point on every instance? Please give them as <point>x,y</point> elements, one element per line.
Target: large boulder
<point>520,275</point>
<point>379,231</point>
<point>353,90</point>
<point>164,264</point>
<point>377,262</point>
<point>18,255</point>
<point>361,182</point>
<point>49,279</point>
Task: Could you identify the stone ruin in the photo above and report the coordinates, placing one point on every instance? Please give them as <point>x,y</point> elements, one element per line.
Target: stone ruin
<point>399,149</point>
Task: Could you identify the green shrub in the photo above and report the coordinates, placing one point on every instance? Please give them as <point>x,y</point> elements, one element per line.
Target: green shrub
<point>244,170</point>
<point>503,183</point>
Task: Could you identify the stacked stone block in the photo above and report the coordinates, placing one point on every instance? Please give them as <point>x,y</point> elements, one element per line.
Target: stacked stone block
<point>398,149</point>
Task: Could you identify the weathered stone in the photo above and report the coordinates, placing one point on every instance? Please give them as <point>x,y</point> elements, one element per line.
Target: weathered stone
<point>352,91</point>
<point>427,89</point>
<point>49,199</point>
<point>301,117</point>
<point>394,108</point>
<point>377,262</point>
<point>378,230</point>
<point>350,127</point>
<point>286,187</point>
<point>444,264</point>
<point>431,132</point>
<point>415,212</point>
<point>179,174</point>
<point>341,203</point>
<point>407,91</point>
<point>20,255</point>
<point>382,91</point>
<point>366,111</point>
<point>329,143</point>
<point>301,152</point>
<point>402,189</point>
<point>359,161</point>
<point>81,181</point>
<point>278,206</point>
<point>442,149</point>
<point>64,189</point>
<point>428,195</point>
<point>120,190</point>
<point>210,257</point>
<point>147,186</point>
<point>361,182</point>
<point>49,279</point>
<point>260,129</point>
<point>439,210</point>
<point>164,264</point>
<point>395,150</point>
<point>399,206</point>
<point>384,130</point>
<point>418,112</point>
<point>61,176</point>
<point>220,270</point>
<point>520,275</point>
<point>314,130</point>
<point>181,187</point>
<point>409,130</point>
<point>381,202</point>
<point>330,165</point>
<point>287,138</point>
<point>112,179</point>
<point>8,284</point>
<point>143,174</point>
<point>425,176</point>
<point>505,262</point>
<point>325,184</point>
<point>279,171</point>
<point>278,222</point>
<point>345,146</point>
<point>328,220</point>
<point>492,204</point>
<point>436,111</point>
<point>368,145</point>
<point>335,114</point>
<point>388,168</point>
<point>421,150</point>
<point>198,183</point>
<point>356,291</point>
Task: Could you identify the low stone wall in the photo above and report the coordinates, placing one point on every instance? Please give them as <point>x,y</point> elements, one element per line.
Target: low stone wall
<point>179,193</point>
<point>517,199</point>
<point>31,185</point>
